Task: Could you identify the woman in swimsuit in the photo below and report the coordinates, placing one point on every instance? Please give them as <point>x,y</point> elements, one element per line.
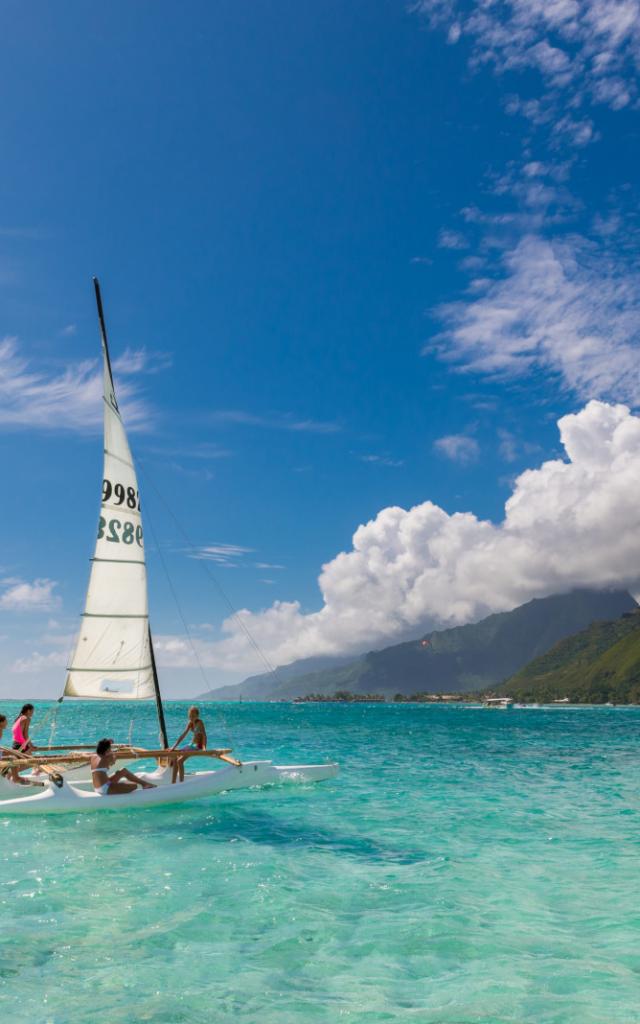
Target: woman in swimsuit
<point>199,741</point>
<point>3,726</point>
<point>20,730</point>
<point>110,785</point>
<point>22,743</point>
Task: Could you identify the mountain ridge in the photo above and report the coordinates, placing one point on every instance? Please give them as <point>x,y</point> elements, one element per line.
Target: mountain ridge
<point>598,665</point>
<point>470,657</point>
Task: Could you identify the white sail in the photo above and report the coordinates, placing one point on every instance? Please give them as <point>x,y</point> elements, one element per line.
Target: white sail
<point>112,658</point>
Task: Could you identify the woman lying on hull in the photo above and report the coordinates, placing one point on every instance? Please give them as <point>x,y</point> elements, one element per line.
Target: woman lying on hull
<point>111,785</point>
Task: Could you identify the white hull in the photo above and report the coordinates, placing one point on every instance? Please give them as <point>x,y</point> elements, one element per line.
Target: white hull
<point>71,798</point>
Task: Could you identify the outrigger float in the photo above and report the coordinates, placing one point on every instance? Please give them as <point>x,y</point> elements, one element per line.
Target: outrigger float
<point>114,660</point>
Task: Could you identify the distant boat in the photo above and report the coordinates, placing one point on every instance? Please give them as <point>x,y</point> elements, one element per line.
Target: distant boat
<point>498,703</point>
<point>561,700</point>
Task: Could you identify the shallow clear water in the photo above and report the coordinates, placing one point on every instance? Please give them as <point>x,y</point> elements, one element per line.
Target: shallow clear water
<point>467,866</point>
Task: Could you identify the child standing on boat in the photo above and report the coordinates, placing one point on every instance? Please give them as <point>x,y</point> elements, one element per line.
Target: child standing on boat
<point>198,742</point>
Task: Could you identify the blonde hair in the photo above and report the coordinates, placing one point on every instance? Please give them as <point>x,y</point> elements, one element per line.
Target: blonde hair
<point>192,709</point>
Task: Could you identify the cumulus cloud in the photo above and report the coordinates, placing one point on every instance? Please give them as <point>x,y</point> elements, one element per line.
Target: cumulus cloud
<point>571,522</point>
<point>36,662</point>
<point>458,448</point>
<point>71,400</point>
<point>583,50</point>
<point>20,596</point>
<point>563,307</point>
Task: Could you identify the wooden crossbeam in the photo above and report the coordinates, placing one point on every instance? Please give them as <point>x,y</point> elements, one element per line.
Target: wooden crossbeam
<point>58,761</point>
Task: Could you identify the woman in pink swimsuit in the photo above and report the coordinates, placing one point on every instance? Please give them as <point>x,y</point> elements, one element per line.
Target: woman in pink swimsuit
<point>21,742</point>
<point>20,730</point>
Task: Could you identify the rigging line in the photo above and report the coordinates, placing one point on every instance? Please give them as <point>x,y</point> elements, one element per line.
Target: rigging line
<point>149,519</point>
<point>272,669</point>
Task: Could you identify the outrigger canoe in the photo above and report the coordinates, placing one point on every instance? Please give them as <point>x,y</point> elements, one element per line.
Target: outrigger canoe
<point>66,797</point>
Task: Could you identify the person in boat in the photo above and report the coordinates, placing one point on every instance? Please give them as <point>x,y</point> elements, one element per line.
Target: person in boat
<point>13,772</point>
<point>3,726</point>
<point>20,730</point>
<point>111,785</point>
<point>194,725</point>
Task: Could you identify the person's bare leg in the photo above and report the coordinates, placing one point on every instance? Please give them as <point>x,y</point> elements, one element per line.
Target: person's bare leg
<point>19,781</point>
<point>121,787</point>
<point>124,773</point>
<point>174,771</point>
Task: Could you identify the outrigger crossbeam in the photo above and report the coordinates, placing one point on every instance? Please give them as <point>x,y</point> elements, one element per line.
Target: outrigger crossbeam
<point>19,760</point>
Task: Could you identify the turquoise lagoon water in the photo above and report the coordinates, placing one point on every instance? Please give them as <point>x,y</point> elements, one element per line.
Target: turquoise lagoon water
<point>467,866</point>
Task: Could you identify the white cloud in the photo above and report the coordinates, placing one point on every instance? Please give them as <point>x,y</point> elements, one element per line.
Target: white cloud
<point>19,596</point>
<point>572,522</point>
<point>563,307</point>
<point>381,460</point>
<point>140,360</point>
<point>36,662</point>
<point>582,49</point>
<point>222,554</point>
<point>70,400</point>
<point>458,448</point>
<point>276,422</point>
<point>452,240</point>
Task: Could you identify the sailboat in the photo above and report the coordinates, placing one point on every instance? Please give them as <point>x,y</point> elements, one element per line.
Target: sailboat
<point>114,657</point>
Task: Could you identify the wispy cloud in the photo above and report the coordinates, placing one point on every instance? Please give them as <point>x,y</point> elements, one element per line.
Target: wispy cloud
<point>21,596</point>
<point>220,553</point>
<point>29,234</point>
<point>72,400</point>
<point>565,307</point>
<point>268,565</point>
<point>284,421</point>
<point>458,447</point>
<point>452,240</point>
<point>140,360</point>
<point>584,51</point>
<point>380,460</point>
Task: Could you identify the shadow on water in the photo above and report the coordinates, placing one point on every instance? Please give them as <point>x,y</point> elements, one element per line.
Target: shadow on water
<point>238,822</point>
<point>252,825</point>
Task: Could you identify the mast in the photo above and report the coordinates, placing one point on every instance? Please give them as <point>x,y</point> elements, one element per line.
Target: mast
<point>113,403</point>
<point>156,686</point>
<point>103,327</point>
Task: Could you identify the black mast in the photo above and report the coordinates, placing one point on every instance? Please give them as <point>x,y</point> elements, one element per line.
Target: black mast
<point>103,330</point>
<point>156,685</point>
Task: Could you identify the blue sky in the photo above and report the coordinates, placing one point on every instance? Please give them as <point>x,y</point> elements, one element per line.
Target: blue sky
<point>354,257</point>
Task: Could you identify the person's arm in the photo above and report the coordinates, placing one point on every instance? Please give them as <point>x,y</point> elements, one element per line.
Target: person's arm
<point>181,737</point>
<point>204,736</point>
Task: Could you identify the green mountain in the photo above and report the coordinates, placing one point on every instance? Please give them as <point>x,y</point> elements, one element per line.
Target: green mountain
<point>257,687</point>
<point>600,664</point>
<point>471,657</point>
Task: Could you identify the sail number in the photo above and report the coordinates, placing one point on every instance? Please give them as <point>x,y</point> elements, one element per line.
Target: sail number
<point>121,495</point>
<point>119,533</point>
